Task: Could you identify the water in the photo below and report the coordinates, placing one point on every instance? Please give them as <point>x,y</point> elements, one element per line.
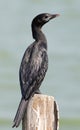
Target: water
<point>63,77</point>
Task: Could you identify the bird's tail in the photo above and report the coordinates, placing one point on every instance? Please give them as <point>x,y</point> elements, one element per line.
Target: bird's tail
<point>20,112</point>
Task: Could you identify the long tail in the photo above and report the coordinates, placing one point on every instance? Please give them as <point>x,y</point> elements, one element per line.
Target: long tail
<point>20,112</point>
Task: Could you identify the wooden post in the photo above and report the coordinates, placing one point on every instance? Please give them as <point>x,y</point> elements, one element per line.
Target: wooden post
<point>41,114</point>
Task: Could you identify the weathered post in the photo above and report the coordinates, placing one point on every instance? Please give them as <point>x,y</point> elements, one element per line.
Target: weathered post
<point>41,114</point>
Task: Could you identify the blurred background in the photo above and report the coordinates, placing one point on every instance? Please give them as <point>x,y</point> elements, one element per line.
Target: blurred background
<point>63,77</point>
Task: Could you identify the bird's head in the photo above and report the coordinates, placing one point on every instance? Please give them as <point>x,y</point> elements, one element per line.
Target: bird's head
<point>41,19</point>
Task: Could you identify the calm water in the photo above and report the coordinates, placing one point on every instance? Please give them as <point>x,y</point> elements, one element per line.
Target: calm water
<point>63,77</point>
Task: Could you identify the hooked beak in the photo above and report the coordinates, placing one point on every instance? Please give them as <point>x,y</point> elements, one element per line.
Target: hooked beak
<point>54,15</point>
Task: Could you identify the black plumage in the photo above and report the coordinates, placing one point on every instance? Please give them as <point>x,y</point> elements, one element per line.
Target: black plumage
<point>34,64</point>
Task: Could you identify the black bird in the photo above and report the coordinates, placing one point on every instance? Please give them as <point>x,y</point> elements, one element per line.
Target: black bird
<point>34,64</point>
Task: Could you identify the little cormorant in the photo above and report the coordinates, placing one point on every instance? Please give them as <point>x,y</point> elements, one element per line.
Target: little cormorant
<point>34,65</point>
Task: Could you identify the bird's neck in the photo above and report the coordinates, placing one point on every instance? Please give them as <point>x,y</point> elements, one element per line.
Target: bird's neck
<point>38,34</point>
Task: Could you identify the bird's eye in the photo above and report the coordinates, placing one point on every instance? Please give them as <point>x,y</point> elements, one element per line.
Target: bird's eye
<point>46,17</point>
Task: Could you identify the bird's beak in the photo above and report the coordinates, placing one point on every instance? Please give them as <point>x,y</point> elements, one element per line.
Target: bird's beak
<point>54,15</point>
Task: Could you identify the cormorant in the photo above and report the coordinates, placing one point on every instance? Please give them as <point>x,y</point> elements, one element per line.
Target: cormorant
<point>34,64</point>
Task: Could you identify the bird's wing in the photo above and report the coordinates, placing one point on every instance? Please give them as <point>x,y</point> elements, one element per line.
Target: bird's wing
<point>38,71</point>
<point>24,68</point>
<point>31,67</point>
